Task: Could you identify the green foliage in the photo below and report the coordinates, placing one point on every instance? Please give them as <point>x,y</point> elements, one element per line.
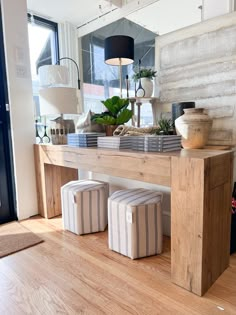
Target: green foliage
<point>116,114</point>
<point>143,73</point>
<point>165,127</point>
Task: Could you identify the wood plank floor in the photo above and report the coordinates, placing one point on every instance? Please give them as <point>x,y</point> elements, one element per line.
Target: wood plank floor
<point>69,274</point>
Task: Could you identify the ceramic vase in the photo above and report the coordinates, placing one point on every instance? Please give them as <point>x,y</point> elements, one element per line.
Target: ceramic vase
<point>178,109</point>
<point>194,127</point>
<point>147,85</point>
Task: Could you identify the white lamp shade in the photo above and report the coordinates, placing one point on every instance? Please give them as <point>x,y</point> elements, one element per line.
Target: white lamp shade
<point>53,75</point>
<point>58,100</point>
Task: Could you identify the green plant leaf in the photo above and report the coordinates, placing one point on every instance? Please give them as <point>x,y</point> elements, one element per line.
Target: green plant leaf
<point>143,73</point>
<point>109,105</point>
<point>117,112</point>
<point>95,116</point>
<point>124,116</point>
<point>105,120</point>
<point>115,105</point>
<point>165,126</point>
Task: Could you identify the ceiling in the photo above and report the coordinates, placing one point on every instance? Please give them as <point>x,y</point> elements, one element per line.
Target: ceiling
<point>76,12</point>
<point>160,17</point>
<point>165,16</point>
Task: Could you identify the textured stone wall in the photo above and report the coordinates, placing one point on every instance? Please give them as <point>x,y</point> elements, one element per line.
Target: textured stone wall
<point>198,63</point>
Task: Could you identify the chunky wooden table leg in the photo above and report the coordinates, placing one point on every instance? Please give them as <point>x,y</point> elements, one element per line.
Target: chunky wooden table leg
<point>49,179</point>
<point>200,220</point>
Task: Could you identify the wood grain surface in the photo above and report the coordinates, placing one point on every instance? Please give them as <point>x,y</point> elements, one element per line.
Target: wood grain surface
<point>196,178</point>
<point>70,274</point>
<point>200,220</point>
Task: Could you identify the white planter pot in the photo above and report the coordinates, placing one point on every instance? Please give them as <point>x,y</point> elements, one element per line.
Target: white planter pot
<point>147,85</point>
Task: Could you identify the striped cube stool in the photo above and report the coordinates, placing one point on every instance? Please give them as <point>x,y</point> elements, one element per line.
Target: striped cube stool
<point>84,206</point>
<point>135,222</point>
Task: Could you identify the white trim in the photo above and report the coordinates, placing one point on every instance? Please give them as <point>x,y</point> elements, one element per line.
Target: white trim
<point>21,104</point>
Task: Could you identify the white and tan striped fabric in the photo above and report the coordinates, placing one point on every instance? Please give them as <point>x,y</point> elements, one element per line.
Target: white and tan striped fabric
<point>135,222</point>
<point>84,206</point>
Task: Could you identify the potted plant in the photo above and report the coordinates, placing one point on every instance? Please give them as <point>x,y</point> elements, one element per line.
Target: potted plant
<point>144,78</point>
<point>165,127</point>
<point>116,114</point>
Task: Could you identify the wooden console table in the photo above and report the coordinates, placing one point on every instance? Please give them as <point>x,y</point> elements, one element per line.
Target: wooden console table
<point>200,181</point>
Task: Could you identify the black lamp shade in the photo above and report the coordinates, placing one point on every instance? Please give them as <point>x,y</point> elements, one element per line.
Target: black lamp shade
<point>118,49</point>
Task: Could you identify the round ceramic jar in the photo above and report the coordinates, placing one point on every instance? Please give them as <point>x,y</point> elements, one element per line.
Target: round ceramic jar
<point>194,127</point>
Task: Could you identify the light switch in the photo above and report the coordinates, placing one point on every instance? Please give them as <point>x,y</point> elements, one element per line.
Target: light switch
<point>21,71</point>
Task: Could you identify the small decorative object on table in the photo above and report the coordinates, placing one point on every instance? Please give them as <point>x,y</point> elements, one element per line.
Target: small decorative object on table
<point>117,113</point>
<point>39,139</point>
<point>115,142</point>
<point>144,78</point>
<point>165,127</point>
<point>153,143</point>
<point>45,137</point>
<point>88,139</point>
<point>60,128</point>
<point>178,109</point>
<point>194,127</point>
<point>123,130</point>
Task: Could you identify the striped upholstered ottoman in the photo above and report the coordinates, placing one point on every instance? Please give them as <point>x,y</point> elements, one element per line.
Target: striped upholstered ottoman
<point>84,206</point>
<point>135,222</point>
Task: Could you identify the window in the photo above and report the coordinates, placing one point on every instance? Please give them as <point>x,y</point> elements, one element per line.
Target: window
<point>44,50</point>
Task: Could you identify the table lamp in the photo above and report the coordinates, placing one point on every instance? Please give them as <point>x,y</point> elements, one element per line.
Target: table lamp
<point>51,75</point>
<point>119,50</point>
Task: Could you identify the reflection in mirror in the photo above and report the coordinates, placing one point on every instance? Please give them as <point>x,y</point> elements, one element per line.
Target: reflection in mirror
<point>101,81</point>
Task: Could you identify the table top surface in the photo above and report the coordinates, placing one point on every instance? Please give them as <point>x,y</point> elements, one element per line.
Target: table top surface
<point>188,153</point>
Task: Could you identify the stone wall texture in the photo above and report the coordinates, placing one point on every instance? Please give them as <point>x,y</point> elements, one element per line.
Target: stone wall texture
<point>198,63</point>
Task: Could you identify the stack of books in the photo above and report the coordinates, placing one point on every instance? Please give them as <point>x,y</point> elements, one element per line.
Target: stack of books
<point>156,143</point>
<point>114,142</point>
<point>83,139</point>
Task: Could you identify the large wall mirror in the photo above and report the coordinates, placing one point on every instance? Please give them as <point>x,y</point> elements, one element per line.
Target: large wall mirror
<point>101,81</point>
<point>145,25</point>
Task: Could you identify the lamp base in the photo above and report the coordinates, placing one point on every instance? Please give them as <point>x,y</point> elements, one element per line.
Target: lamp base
<point>60,128</point>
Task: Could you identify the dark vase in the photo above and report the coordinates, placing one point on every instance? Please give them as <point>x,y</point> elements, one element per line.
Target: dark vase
<point>110,129</point>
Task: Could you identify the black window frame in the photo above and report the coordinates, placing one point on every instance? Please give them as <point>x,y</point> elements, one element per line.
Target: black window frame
<point>49,24</point>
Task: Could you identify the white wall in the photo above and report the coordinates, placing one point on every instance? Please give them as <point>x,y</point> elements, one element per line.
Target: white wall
<point>198,64</point>
<point>213,8</point>
<point>21,103</point>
